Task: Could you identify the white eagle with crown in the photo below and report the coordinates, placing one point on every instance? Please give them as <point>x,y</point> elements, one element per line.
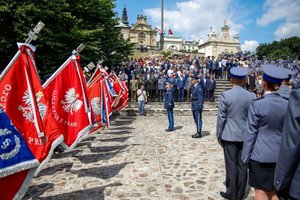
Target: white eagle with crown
<point>71,104</point>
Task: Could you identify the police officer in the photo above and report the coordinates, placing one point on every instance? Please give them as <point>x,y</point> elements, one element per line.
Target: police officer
<point>263,133</point>
<point>287,172</point>
<point>197,98</point>
<point>232,116</point>
<point>169,103</point>
<point>284,89</point>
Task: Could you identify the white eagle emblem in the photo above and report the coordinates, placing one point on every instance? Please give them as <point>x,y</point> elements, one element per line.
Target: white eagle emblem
<point>71,104</point>
<point>96,107</point>
<point>28,111</point>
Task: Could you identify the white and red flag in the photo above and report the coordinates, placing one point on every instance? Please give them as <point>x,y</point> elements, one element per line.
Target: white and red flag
<point>23,100</point>
<point>66,89</point>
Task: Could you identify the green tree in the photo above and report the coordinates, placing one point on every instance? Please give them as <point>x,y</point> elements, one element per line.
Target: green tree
<point>68,23</point>
<point>286,48</point>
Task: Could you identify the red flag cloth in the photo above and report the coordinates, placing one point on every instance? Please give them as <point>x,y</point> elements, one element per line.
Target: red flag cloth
<point>68,93</point>
<point>24,102</point>
<point>121,101</point>
<point>94,93</point>
<point>107,100</point>
<point>170,32</point>
<point>15,185</point>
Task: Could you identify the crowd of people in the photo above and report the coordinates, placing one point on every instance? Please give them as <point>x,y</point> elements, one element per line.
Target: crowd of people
<point>258,118</point>
<point>152,72</point>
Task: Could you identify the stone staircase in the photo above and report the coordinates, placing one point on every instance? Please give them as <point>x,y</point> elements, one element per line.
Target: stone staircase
<point>221,85</point>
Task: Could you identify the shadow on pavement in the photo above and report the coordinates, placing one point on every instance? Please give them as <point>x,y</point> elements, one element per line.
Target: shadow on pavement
<point>104,172</point>
<point>92,193</point>
<point>66,154</point>
<point>119,132</point>
<point>107,148</point>
<point>205,133</point>
<point>121,127</point>
<point>119,139</point>
<point>35,191</point>
<point>53,169</point>
<point>178,127</point>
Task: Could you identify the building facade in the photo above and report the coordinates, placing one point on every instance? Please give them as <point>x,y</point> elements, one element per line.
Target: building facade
<point>217,45</point>
<point>141,34</point>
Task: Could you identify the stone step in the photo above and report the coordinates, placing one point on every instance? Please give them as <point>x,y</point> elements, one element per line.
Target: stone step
<point>157,108</point>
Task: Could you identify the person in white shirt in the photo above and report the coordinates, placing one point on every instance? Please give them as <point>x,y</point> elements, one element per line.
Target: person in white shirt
<point>142,99</point>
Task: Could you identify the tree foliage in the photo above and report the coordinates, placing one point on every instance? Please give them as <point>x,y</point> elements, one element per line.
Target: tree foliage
<point>285,49</point>
<point>68,23</point>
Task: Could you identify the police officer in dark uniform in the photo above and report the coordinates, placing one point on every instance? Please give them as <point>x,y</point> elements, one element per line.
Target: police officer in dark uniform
<point>231,121</point>
<point>169,103</point>
<point>263,133</point>
<point>197,98</point>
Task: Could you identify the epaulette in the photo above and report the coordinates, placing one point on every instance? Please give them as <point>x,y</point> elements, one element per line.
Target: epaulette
<point>259,98</point>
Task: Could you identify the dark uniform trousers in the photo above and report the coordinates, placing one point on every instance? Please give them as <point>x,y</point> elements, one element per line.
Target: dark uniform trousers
<point>170,118</point>
<point>197,115</point>
<point>236,170</point>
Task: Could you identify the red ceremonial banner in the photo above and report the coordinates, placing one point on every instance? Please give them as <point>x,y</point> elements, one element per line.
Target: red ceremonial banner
<point>23,101</point>
<point>68,93</point>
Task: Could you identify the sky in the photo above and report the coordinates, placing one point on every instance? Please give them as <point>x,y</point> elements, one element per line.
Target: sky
<point>256,21</point>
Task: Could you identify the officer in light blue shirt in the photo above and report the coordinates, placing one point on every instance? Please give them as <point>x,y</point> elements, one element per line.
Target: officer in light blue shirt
<point>263,133</point>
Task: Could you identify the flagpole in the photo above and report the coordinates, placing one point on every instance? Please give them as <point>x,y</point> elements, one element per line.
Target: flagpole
<point>162,26</point>
<point>74,52</point>
<point>32,35</point>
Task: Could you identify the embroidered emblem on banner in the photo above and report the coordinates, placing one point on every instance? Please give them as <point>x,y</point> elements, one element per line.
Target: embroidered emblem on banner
<point>96,107</point>
<point>27,109</point>
<point>71,104</point>
<point>7,144</point>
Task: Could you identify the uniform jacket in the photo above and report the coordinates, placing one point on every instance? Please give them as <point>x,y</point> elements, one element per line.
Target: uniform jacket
<point>232,113</point>
<point>287,172</point>
<point>284,91</point>
<point>169,99</point>
<point>263,129</point>
<point>197,97</point>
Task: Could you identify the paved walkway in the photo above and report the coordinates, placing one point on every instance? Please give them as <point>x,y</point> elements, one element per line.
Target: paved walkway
<point>137,159</point>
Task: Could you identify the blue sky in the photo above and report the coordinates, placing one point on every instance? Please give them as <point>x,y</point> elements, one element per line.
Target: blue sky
<point>256,21</point>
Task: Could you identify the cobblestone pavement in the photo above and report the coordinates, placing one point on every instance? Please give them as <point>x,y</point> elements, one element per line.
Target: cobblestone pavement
<point>137,159</point>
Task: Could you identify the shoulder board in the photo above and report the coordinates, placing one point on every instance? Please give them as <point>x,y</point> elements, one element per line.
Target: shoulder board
<point>259,98</point>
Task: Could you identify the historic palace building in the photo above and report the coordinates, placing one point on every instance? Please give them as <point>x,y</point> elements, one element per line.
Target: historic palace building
<point>144,38</point>
<point>216,45</point>
<point>141,33</point>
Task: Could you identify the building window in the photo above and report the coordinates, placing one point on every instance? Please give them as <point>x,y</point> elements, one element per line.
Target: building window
<point>142,36</point>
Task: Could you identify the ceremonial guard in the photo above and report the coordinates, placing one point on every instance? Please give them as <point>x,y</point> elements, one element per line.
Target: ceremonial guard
<point>263,133</point>
<point>197,98</point>
<point>231,121</point>
<point>287,172</point>
<point>169,104</point>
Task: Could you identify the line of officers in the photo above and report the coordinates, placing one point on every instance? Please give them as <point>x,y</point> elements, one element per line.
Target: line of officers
<point>260,137</point>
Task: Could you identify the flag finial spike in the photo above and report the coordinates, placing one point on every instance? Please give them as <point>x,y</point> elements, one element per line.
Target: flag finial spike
<point>32,35</point>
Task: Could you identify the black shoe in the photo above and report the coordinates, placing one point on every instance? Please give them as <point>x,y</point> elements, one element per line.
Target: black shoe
<point>197,135</point>
<point>224,195</point>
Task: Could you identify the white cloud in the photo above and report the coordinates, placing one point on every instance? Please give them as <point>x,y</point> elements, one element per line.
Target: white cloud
<point>249,45</point>
<point>282,10</point>
<point>193,18</point>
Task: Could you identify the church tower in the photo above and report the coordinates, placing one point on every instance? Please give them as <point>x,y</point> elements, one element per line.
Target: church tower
<point>124,16</point>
